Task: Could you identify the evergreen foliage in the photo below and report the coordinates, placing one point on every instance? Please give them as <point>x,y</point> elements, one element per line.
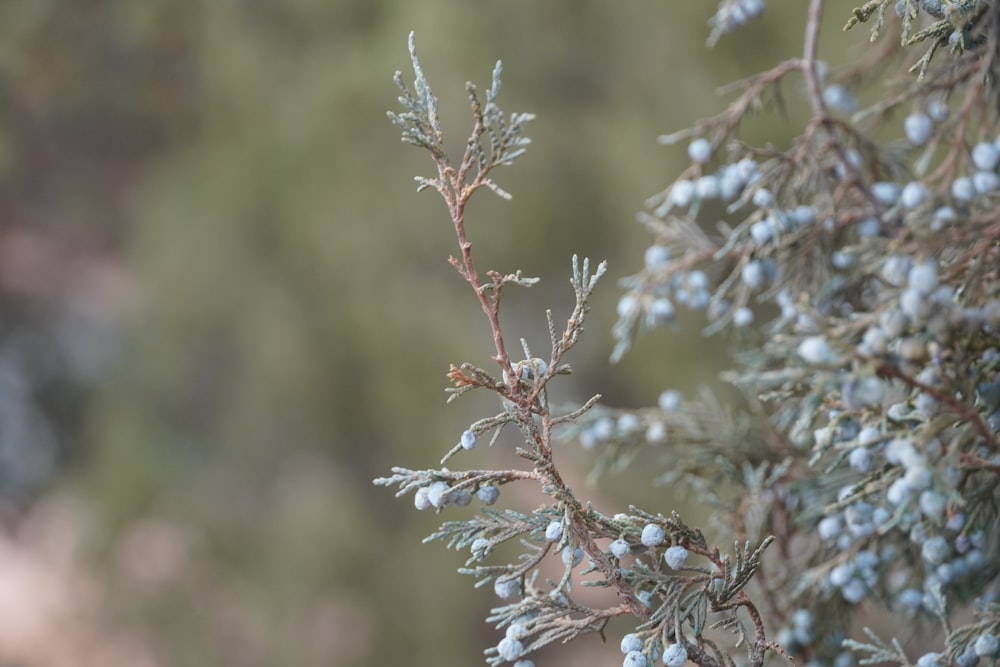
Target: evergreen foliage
<point>855,274</point>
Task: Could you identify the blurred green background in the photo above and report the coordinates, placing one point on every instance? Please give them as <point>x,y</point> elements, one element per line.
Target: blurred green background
<point>224,309</point>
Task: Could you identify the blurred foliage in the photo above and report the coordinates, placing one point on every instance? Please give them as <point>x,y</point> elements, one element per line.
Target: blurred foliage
<point>215,187</point>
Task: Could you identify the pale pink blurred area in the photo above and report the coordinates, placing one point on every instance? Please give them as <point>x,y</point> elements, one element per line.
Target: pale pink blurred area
<point>52,610</point>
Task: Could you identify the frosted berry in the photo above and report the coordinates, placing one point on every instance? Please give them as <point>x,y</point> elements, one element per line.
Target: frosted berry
<point>510,649</point>
<point>652,535</point>
<point>631,642</point>
<point>860,459</point>
<point>554,531</point>
<point>675,655</point>
<point>619,548</point>
<point>985,156</point>
<point>707,187</point>
<point>420,500</point>
<point>815,350</point>
<point>656,255</point>
<point>634,659</point>
<point>742,317</point>
<point>662,311</point>
<point>669,400</point>
<point>437,494</point>
<point>700,151</point>
<point>839,99</point>
<point>675,557</point>
<point>468,439</point>
<point>914,194</point>
<point>829,527</point>
<point>929,660</point>
<point>962,188</point>
<point>886,192</point>
<point>480,548</point>
<point>935,550</point>
<point>918,128</point>
<point>985,182</point>
<point>682,193</point>
<point>507,587</point>
<point>763,198</point>
<point>986,646</point>
<point>488,494</point>
<point>628,305</point>
<point>572,557</point>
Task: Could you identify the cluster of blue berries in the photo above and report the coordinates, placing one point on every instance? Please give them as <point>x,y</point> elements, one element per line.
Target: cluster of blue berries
<point>440,494</point>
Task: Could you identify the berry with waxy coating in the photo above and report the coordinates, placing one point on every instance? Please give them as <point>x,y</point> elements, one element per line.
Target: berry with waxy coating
<point>675,655</point>
<point>675,557</point>
<point>652,535</point>
<point>554,531</point>
<point>468,439</point>
<point>619,548</point>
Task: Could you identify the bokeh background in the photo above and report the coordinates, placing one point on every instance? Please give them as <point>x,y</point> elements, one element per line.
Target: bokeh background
<point>224,309</point>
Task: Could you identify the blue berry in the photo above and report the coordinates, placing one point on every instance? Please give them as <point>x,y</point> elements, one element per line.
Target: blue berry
<point>510,649</point>
<point>963,189</point>
<point>742,317</point>
<point>572,557</point>
<point>437,494</point>
<point>840,575</point>
<point>986,646</point>
<point>700,151</point>
<point>918,128</point>
<point>933,504</point>
<point>967,658</point>
<point>985,156</point>
<point>675,655</point>
<point>656,255</point>
<point>815,350</point>
<point>829,527</point>
<point>468,439</point>
<point>910,598</point>
<point>931,659</point>
<point>914,194</point>
<point>675,557</point>
<point>669,400</point>
<point>604,428</point>
<point>661,311</point>
<point>631,642</point>
<point>753,274</point>
<point>480,548</point>
<point>935,550</point>
<point>839,99</point>
<point>488,494</point>
<point>923,278</point>
<point>985,182</point>
<point>517,630</point>
<point>420,499</point>
<point>886,192</point>
<point>507,587</point>
<point>860,459</point>
<point>707,187</point>
<point>634,659</point>
<point>652,535</point>
<point>682,193</point>
<point>937,109</point>
<point>619,548</point>
<point>854,591</point>
<point>763,198</point>
<point>628,305</point>
<point>554,531</point>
